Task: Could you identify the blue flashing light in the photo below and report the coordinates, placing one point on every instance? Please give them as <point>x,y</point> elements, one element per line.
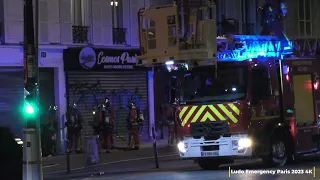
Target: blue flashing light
<point>256,47</point>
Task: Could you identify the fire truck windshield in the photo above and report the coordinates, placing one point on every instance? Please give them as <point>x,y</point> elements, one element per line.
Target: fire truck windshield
<point>201,85</point>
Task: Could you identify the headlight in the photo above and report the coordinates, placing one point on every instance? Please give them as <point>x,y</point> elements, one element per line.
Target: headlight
<point>182,147</point>
<point>245,143</point>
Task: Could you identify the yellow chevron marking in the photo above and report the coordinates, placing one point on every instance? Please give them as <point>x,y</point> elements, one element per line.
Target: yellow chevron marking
<point>183,110</point>
<point>185,120</point>
<point>196,117</point>
<point>217,113</point>
<point>234,108</point>
<point>207,116</point>
<point>225,110</point>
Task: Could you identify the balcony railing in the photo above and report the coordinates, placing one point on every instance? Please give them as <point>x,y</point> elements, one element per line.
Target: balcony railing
<point>80,34</point>
<point>119,36</point>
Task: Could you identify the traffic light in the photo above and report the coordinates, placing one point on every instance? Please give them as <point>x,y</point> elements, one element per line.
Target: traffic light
<point>30,101</point>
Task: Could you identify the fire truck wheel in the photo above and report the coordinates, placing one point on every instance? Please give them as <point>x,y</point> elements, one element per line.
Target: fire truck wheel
<point>278,153</point>
<point>209,164</point>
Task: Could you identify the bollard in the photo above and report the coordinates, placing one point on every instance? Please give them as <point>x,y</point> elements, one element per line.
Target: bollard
<point>92,155</point>
<point>155,146</point>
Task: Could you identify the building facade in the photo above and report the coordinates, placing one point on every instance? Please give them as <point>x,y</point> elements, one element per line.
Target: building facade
<point>301,17</point>
<point>110,26</point>
<point>65,28</point>
<point>94,74</point>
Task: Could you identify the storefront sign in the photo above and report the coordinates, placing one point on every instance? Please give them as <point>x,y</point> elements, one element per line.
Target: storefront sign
<point>124,61</point>
<point>98,59</point>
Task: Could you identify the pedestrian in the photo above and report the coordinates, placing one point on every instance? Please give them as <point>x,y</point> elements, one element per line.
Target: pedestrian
<point>170,117</point>
<point>11,155</point>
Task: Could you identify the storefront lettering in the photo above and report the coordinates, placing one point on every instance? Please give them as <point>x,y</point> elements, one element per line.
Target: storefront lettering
<point>125,58</point>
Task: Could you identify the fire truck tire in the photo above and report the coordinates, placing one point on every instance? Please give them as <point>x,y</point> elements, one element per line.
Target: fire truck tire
<point>278,152</point>
<point>208,164</point>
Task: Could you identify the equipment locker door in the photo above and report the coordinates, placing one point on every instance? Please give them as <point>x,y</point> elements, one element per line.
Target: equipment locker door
<point>304,112</point>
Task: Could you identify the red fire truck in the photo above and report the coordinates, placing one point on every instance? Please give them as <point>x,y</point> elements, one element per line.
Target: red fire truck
<point>240,96</point>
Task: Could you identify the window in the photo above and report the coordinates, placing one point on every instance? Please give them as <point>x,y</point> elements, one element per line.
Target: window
<point>172,35</point>
<point>78,12</point>
<point>151,34</point>
<point>201,85</point>
<point>260,84</point>
<point>304,12</point>
<point>117,13</point>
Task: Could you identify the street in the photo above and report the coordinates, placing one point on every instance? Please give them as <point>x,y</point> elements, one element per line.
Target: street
<point>174,168</point>
<point>58,163</point>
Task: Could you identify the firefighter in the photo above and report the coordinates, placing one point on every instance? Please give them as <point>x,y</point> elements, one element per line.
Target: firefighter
<point>107,116</point>
<point>74,128</point>
<point>135,122</point>
<point>111,113</point>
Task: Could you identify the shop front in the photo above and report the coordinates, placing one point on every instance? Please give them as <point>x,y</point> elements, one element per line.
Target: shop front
<point>94,74</point>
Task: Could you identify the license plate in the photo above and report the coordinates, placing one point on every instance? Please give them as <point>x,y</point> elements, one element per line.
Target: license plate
<point>211,153</point>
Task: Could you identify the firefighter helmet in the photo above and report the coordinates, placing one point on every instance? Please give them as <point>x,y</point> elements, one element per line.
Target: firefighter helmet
<point>132,105</point>
<point>73,106</point>
<point>53,108</point>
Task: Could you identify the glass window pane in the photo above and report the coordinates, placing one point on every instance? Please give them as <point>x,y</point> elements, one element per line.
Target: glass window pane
<point>152,44</point>
<point>301,28</point>
<point>307,9</point>
<point>308,29</point>
<point>172,30</point>
<point>151,33</point>
<point>301,9</point>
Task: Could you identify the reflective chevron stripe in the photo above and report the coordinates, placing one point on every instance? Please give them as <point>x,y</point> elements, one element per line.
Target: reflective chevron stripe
<point>219,112</point>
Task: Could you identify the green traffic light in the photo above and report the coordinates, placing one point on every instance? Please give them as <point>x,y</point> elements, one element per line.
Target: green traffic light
<point>29,109</point>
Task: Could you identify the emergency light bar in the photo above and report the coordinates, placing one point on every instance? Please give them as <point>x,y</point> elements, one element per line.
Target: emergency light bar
<point>254,47</point>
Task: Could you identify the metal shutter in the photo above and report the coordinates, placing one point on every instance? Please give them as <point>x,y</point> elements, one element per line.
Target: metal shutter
<point>87,89</point>
<point>11,98</point>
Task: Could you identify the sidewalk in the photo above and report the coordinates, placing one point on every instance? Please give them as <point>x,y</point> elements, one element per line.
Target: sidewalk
<point>170,163</point>
<point>57,164</point>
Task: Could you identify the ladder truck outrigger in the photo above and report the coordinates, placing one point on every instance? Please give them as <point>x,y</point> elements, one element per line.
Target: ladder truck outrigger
<point>240,96</point>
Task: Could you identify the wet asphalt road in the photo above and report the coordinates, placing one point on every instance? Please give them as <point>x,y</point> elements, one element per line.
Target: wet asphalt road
<point>172,168</point>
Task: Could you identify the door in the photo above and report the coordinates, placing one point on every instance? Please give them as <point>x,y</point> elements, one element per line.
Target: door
<point>11,98</point>
<point>304,112</point>
<point>46,92</point>
<point>264,104</point>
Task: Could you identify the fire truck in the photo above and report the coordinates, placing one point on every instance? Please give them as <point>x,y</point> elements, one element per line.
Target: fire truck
<point>240,96</point>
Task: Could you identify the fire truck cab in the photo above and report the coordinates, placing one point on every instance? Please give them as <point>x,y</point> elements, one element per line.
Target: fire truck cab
<point>240,96</point>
